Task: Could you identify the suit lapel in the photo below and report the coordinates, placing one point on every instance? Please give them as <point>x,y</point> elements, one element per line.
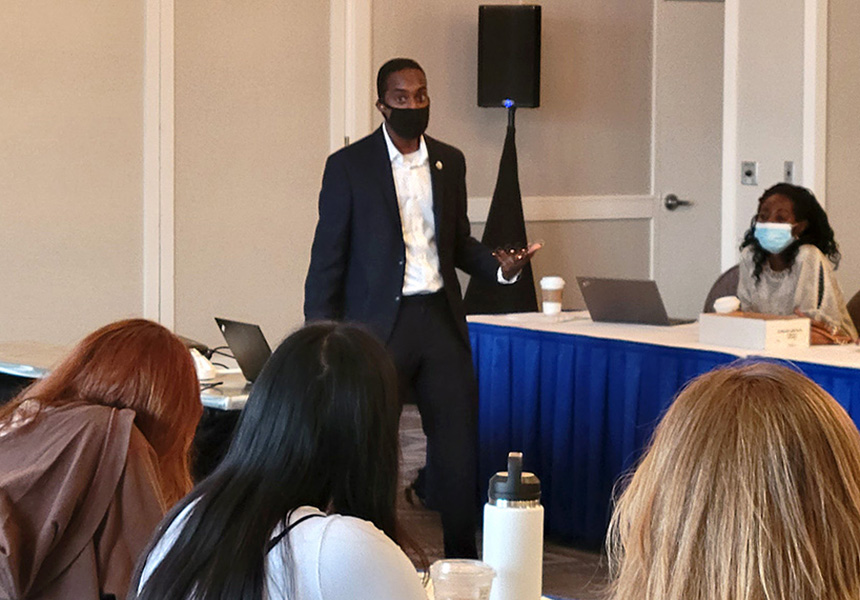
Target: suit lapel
<point>381,166</point>
<point>437,180</point>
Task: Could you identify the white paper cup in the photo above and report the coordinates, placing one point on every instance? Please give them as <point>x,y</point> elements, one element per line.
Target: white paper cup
<point>727,304</point>
<point>461,579</point>
<point>552,289</point>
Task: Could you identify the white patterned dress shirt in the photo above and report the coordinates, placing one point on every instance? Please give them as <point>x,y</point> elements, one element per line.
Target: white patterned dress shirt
<point>414,190</point>
<point>415,199</point>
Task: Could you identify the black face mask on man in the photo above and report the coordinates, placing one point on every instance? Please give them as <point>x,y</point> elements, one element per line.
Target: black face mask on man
<point>408,123</point>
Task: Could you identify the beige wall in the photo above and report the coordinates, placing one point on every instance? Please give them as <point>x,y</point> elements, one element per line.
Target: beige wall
<point>251,140</point>
<point>769,97</point>
<point>623,260</point>
<point>566,259</point>
<point>71,237</point>
<point>591,135</point>
<point>252,125</point>
<point>843,143</point>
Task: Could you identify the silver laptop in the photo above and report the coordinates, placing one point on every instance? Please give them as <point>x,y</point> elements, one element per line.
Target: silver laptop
<point>625,301</point>
<point>248,345</point>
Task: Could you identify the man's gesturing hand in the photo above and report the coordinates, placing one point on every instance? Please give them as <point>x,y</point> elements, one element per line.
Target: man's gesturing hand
<point>512,260</point>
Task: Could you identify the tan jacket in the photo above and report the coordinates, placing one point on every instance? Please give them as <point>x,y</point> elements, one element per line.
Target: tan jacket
<point>79,499</point>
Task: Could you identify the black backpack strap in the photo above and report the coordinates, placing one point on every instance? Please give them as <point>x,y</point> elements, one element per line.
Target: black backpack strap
<point>820,284</point>
<point>277,539</point>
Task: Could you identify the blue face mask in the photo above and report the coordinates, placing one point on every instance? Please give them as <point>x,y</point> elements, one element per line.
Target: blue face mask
<point>773,237</point>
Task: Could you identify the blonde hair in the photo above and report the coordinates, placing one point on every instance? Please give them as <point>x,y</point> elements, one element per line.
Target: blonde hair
<point>750,491</point>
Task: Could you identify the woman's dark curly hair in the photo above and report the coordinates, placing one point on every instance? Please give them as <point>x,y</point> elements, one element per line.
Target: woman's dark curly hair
<point>806,208</point>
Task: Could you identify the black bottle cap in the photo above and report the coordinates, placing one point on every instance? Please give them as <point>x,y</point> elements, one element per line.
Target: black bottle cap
<point>514,485</point>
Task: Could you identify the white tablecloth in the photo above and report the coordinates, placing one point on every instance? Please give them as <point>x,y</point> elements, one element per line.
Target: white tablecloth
<point>676,336</point>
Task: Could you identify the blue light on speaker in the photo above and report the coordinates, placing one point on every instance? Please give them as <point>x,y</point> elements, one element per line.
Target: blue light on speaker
<point>507,103</point>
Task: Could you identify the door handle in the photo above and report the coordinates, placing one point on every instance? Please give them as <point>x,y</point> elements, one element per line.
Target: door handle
<point>672,202</point>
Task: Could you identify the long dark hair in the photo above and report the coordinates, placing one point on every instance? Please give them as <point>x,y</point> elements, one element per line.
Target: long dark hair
<point>806,208</point>
<point>319,429</point>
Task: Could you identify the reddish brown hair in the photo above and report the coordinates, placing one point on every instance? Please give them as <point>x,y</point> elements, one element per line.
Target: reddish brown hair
<point>136,364</point>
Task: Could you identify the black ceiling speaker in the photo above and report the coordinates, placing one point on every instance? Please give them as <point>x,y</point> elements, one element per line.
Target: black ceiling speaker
<point>509,55</point>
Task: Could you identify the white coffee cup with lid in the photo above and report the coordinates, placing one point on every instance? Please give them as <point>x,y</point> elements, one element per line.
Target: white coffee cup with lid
<point>552,288</point>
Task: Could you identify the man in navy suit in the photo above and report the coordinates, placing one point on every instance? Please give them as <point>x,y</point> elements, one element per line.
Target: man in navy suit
<point>392,228</point>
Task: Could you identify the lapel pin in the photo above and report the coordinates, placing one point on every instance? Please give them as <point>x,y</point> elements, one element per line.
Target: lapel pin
<point>438,165</point>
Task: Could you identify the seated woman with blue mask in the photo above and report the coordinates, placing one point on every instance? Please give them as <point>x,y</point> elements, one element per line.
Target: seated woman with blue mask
<point>787,260</point>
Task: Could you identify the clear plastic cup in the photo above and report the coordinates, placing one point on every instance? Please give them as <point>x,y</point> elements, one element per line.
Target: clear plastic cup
<point>461,579</point>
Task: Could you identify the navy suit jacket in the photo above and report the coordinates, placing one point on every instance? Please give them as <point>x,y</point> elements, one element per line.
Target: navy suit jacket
<point>358,255</point>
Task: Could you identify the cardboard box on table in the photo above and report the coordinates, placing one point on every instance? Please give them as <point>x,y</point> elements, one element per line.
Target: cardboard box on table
<point>754,331</point>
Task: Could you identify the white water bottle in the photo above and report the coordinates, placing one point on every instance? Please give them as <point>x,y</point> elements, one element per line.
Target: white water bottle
<point>513,533</point>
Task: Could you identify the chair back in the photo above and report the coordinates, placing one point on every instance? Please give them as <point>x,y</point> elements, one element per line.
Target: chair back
<point>725,285</point>
<point>854,310</point>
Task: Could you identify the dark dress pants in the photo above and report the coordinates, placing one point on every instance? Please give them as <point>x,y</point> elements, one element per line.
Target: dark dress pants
<point>434,367</point>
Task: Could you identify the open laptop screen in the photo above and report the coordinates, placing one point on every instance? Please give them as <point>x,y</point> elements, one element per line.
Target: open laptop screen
<point>625,301</point>
<point>248,345</point>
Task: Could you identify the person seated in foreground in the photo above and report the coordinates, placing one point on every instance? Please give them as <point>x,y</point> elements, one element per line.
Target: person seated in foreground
<point>303,504</point>
<point>785,265</point>
<point>750,490</point>
<point>91,457</point>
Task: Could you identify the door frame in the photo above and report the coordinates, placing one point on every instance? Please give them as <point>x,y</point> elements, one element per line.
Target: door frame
<point>158,164</point>
<point>350,71</point>
<point>350,117</point>
<point>815,43</point>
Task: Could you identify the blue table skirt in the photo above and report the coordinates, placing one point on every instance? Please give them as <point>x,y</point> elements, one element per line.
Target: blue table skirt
<point>582,410</point>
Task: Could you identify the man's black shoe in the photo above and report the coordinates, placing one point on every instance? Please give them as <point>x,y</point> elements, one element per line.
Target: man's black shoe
<point>416,492</point>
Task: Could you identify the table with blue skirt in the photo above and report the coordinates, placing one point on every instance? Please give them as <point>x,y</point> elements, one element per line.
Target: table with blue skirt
<point>581,400</point>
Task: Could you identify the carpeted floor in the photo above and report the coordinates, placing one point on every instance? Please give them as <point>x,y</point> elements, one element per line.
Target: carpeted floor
<point>568,572</point>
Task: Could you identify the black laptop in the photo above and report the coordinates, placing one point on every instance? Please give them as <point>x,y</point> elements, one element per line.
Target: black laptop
<point>625,301</point>
<point>248,345</point>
